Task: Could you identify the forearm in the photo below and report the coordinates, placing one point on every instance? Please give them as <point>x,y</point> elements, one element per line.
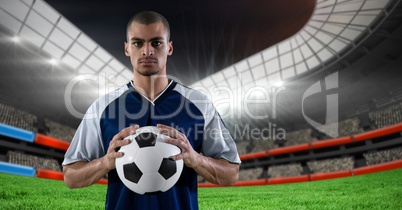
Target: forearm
<point>217,171</point>
<point>83,174</point>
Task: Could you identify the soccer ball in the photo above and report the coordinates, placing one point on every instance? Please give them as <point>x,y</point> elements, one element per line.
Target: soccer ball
<point>146,166</point>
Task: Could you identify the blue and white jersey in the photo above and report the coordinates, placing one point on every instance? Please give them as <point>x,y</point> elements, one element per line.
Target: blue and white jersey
<point>177,106</point>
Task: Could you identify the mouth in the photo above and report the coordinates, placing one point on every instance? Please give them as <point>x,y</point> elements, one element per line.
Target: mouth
<point>148,61</point>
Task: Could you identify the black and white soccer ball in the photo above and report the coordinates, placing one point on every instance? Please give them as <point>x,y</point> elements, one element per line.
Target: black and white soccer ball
<point>146,166</point>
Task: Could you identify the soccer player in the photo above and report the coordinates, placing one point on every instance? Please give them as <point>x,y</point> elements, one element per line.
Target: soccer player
<point>151,99</point>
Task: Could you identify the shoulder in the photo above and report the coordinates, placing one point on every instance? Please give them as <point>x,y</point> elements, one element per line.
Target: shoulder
<point>113,95</point>
<point>198,99</point>
<point>190,93</point>
<point>102,102</point>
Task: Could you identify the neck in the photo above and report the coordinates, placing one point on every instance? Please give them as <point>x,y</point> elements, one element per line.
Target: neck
<point>150,86</point>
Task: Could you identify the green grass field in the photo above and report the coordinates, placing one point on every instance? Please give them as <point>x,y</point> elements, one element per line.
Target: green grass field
<point>373,191</point>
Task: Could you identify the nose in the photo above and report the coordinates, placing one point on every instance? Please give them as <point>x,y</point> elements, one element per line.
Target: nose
<point>148,50</point>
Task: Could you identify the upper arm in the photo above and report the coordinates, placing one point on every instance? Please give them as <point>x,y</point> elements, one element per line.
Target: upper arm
<point>218,143</point>
<point>86,144</point>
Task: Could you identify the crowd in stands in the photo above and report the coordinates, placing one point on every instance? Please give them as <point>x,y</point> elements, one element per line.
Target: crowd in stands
<point>342,128</point>
<point>386,117</point>
<point>384,156</point>
<point>322,166</point>
<point>330,165</point>
<point>17,118</point>
<point>33,161</point>
<point>298,137</point>
<point>242,147</point>
<point>285,170</point>
<point>59,131</point>
<point>378,119</point>
<point>381,118</point>
<point>250,174</point>
<point>24,120</point>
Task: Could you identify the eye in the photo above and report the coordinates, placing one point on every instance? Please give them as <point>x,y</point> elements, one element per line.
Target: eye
<point>156,43</point>
<point>137,44</point>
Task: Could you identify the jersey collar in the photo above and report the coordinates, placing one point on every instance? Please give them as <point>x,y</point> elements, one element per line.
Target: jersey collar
<point>168,88</point>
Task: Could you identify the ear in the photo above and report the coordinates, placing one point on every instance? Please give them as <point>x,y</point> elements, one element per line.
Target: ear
<point>170,50</point>
<point>126,49</point>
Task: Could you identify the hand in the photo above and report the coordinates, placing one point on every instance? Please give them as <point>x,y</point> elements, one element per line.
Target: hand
<point>117,142</point>
<point>189,156</point>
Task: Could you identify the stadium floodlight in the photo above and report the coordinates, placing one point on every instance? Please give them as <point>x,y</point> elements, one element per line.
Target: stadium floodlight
<point>279,83</point>
<point>15,39</point>
<point>53,61</point>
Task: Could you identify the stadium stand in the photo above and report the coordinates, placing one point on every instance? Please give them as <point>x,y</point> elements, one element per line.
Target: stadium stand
<point>299,137</point>
<point>386,117</point>
<point>242,147</point>
<point>383,156</point>
<point>17,118</point>
<point>250,174</point>
<point>285,170</point>
<point>24,120</point>
<point>33,161</point>
<point>59,131</point>
<point>345,127</point>
<point>348,127</point>
<point>329,165</point>
<point>260,145</point>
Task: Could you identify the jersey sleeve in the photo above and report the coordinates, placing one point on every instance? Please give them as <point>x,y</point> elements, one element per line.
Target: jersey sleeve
<point>218,143</point>
<point>87,142</point>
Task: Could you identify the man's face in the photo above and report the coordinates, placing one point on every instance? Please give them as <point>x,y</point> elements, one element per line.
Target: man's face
<point>148,48</point>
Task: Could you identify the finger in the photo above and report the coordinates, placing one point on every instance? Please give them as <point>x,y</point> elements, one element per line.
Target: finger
<point>163,129</point>
<point>167,130</point>
<point>123,142</point>
<point>130,130</point>
<point>115,145</point>
<point>182,144</point>
<point>126,132</point>
<point>171,132</point>
<point>117,155</point>
<point>177,157</point>
<point>172,141</point>
<point>112,158</point>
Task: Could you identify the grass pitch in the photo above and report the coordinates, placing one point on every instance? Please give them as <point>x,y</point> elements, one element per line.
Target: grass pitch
<point>19,192</point>
<point>373,191</point>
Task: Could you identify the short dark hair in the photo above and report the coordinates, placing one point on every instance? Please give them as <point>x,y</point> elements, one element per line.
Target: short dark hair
<point>149,17</point>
